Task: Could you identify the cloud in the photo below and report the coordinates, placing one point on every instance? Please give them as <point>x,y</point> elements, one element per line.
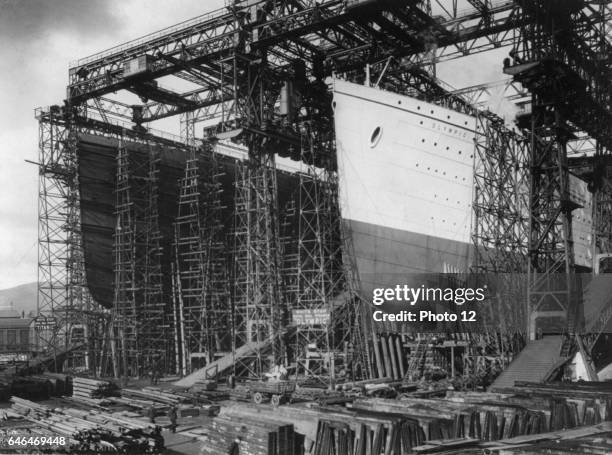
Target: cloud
<point>34,20</point>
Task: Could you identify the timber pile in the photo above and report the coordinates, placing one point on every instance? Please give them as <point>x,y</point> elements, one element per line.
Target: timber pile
<point>92,388</point>
<point>91,431</point>
<point>322,396</point>
<point>203,385</point>
<point>240,393</point>
<point>569,404</point>
<point>254,436</point>
<point>162,400</point>
<point>395,438</point>
<point>157,395</point>
<point>215,395</point>
<point>487,421</point>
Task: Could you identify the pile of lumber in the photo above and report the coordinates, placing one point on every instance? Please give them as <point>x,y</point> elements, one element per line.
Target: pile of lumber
<point>595,439</point>
<point>569,405</point>
<point>254,436</point>
<point>215,395</point>
<point>482,419</point>
<point>92,431</point>
<point>395,436</point>
<point>162,400</point>
<point>157,395</point>
<point>202,385</point>
<point>92,388</point>
<point>322,396</point>
<point>240,393</point>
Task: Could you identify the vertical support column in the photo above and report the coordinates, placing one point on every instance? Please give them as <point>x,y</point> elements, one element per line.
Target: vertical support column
<point>551,257</point>
<point>63,323</point>
<point>125,315</point>
<point>501,182</point>
<point>199,258</point>
<point>261,309</point>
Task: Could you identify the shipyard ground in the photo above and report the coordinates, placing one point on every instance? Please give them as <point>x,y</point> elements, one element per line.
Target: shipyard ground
<point>426,418</point>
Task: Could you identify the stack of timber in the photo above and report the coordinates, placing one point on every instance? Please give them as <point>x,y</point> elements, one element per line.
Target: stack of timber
<point>321,396</point>
<point>570,404</point>
<point>157,395</point>
<point>240,393</point>
<point>161,400</point>
<point>204,385</point>
<point>253,436</point>
<point>355,428</point>
<point>394,436</point>
<point>92,431</point>
<point>488,421</point>
<point>595,439</point>
<point>92,388</point>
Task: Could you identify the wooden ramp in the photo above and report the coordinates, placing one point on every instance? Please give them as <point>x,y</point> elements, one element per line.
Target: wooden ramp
<point>533,364</point>
<point>224,363</point>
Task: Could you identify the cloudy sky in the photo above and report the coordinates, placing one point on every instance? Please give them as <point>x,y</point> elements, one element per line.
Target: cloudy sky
<point>39,39</point>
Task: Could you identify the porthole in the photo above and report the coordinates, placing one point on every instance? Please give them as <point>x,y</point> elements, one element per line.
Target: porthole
<point>375,137</point>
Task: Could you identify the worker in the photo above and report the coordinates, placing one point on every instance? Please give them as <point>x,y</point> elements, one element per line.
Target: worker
<point>172,415</point>
<point>151,413</point>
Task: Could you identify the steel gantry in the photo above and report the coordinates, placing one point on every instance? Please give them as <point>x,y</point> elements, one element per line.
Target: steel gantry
<point>242,59</point>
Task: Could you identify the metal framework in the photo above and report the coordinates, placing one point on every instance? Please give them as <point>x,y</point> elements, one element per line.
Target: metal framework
<point>562,58</point>
<point>201,273</point>
<point>68,321</point>
<point>501,212</point>
<point>241,58</point>
<point>140,328</point>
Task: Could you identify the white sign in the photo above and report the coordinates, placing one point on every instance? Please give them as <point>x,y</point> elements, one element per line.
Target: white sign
<point>319,316</point>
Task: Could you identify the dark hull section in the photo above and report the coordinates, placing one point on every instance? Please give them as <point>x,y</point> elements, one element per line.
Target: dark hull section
<point>386,257</point>
<point>97,176</point>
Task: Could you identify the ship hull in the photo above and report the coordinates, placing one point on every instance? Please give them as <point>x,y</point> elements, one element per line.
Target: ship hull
<point>405,185</point>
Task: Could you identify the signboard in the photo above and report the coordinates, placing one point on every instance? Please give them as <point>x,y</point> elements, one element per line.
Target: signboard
<point>318,316</point>
<point>44,323</point>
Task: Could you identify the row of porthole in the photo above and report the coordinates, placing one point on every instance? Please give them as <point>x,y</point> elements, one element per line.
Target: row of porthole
<point>431,112</point>
<point>447,147</point>
<point>458,202</point>
<point>444,221</point>
<point>436,171</point>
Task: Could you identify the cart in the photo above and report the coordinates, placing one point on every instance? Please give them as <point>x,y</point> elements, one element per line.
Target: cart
<point>275,391</point>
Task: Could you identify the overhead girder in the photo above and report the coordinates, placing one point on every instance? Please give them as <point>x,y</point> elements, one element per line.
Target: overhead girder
<point>214,38</point>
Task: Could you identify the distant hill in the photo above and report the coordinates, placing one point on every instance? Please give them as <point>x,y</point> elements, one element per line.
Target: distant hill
<point>23,297</point>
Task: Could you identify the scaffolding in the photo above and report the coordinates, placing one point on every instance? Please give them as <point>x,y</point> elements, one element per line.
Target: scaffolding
<point>201,295</point>
<point>67,318</point>
<point>560,57</point>
<point>139,329</point>
<point>241,58</point>
<point>501,213</point>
